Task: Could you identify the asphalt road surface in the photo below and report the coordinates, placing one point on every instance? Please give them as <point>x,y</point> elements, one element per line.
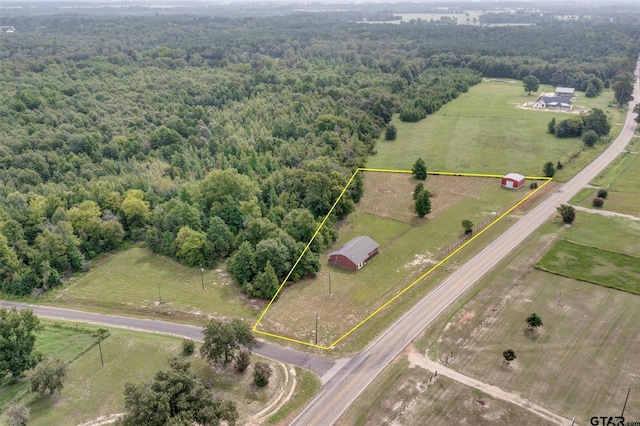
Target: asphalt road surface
<point>318,364</point>
<point>356,374</point>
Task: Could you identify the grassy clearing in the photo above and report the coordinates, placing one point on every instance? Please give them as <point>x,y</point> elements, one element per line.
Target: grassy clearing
<point>65,342</point>
<point>622,179</point>
<point>131,282</point>
<point>92,391</point>
<point>581,363</point>
<point>607,233</point>
<point>487,131</point>
<point>606,268</point>
<point>408,248</point>
<point>400,395</point>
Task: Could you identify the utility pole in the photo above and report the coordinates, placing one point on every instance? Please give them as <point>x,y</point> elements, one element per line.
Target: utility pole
<point>329,283</point>
<point>317,317</point>
<point>202,275</point>
<point>101,333</point>
<point>159,295</point>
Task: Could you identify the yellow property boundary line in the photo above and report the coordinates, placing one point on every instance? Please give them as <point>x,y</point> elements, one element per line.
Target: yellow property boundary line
<point>401,292</point>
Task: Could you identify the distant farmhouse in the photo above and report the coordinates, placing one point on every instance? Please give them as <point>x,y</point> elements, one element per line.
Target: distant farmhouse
<point>560,99</point>
<point>354,254</point>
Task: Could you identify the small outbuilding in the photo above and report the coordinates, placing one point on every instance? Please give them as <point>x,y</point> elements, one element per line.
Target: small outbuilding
<point>513,181</point>
<point>565,92</point>
<point>355,254</point>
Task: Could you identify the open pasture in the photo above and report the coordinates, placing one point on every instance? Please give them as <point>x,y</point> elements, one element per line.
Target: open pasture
<point>590,264</point>
<point>622,181</point>
<point>581,362</point>
<point>409,247</point>
<point>607,233</point>
<point>486,130</point>
<point>133,282</point>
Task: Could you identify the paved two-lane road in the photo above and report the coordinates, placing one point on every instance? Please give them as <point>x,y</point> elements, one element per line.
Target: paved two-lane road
<point>355,375</point>
<point>319,365</point>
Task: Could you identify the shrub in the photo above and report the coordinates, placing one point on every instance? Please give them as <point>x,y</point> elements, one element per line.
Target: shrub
<point>391,132</point>
<point>188,347</point>
<point>598,202</point>
<point>602,193</point>
<point>243,360</point>
<point>261,374</point>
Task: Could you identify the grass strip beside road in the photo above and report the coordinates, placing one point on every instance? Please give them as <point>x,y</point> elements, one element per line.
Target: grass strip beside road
<point>594,265</point>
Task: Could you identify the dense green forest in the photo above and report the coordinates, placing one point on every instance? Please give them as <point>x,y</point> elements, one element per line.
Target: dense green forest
<point>213,139</point>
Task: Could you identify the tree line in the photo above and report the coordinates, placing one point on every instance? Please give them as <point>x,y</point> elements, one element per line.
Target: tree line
<point>227,140</point>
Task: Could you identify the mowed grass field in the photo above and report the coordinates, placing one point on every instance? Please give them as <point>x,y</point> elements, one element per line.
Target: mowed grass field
<point>581,363</point>
<point>409,247</point>
<point>131,283</point>
<point>622,181</point>
<point>593,265</point>
<point>92,391</point>
<point>486,130</point>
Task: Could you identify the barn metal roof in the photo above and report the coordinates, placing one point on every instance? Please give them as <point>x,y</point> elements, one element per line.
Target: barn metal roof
<point>357,249</point>
<point>514,176</point>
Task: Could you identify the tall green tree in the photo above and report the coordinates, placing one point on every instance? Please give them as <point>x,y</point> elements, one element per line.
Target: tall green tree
<point>419,169</point>
<point>175,396</point>
<point>533,321</point>
<point>242,264</point>
<point>423,203</point>
<point>589,138</point>
<point>192,247</point>
<point>223,339</point>
<point>597,121</point>
<point>265,285</point>
<point>135,209</point>
<point>551,127</point>
<point>530,84</point>
<point>549,169</point>
<point>567,213</point>
<point>623,88</point>
<point>49,376</point>
<point>636,110</point>
<point>17,341</point>
<point>467,225</point>
<point>390,132</point>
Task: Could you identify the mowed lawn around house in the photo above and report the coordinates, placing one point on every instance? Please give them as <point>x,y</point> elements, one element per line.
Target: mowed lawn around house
<point>409,247</point>
<point>487,130</point>
<point>139,282</point>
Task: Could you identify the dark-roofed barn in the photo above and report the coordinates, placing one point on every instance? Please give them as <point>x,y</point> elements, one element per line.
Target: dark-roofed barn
<point>354,254</point>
